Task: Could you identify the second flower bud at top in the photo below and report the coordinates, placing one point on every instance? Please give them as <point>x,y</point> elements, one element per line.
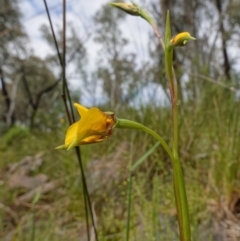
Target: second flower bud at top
<point>127,8</point>
<point>135,10</point>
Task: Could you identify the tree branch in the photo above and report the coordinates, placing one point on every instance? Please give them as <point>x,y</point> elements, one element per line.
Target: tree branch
<point>10,121</point>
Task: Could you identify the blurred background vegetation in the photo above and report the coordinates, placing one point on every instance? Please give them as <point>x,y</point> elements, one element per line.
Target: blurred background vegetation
<point>40,189</point>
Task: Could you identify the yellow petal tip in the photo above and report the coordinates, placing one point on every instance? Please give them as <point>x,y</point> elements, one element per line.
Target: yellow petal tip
<point>60,147</point>
<point>73,144</point>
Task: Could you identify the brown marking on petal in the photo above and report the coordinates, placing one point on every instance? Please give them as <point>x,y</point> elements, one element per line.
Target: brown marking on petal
<point>110,122</point>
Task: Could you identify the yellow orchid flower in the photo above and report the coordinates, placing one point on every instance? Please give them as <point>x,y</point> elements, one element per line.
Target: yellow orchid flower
<point>94,126</point>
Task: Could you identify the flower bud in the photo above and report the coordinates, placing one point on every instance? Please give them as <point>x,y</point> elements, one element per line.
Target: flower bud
<point>127,8</point>
<point>181,39</point>
<point>135,10</point>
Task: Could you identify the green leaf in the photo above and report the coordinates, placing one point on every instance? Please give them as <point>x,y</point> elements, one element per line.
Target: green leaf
<point>144,157</point>
<point>37,197</point>
<point>168,34</point>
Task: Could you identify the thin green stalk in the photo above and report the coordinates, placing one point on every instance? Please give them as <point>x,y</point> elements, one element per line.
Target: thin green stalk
<point>178,179</point>
<point>173,92</point>
<point>128,124</point>
<point>71,118</point>
<point>85,192</point>
<point>35,200</point>
<point>33,223</point>
<point>61,63</point>
<point>181,201</point>
<point>64,90</point>
<point>65,87</point>
<point>168,57</point>
<point>87,200</point>
<point>53,33</point>
<point>159,138</point>
<point>64,47</point>
<point>129,202</point>
<point>155,28</point>
<point>144,157</point>
<point>175,118</point>
<point>129,191</point>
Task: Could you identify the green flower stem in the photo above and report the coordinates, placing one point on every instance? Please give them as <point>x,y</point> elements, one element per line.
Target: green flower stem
<point>135,10</point>
<point>127,124</point>
<point>181,201</point>
<point>175,116</point>
<point>171,80</point>
<point>129,202</point>
<point>155,28</point>
<point>169,55</point>
<point>173,91</point>
<point>178,179</point>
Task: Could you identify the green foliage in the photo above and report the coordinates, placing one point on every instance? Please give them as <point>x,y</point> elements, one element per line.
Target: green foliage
<point>203,132</point>
<point>16,133</point>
